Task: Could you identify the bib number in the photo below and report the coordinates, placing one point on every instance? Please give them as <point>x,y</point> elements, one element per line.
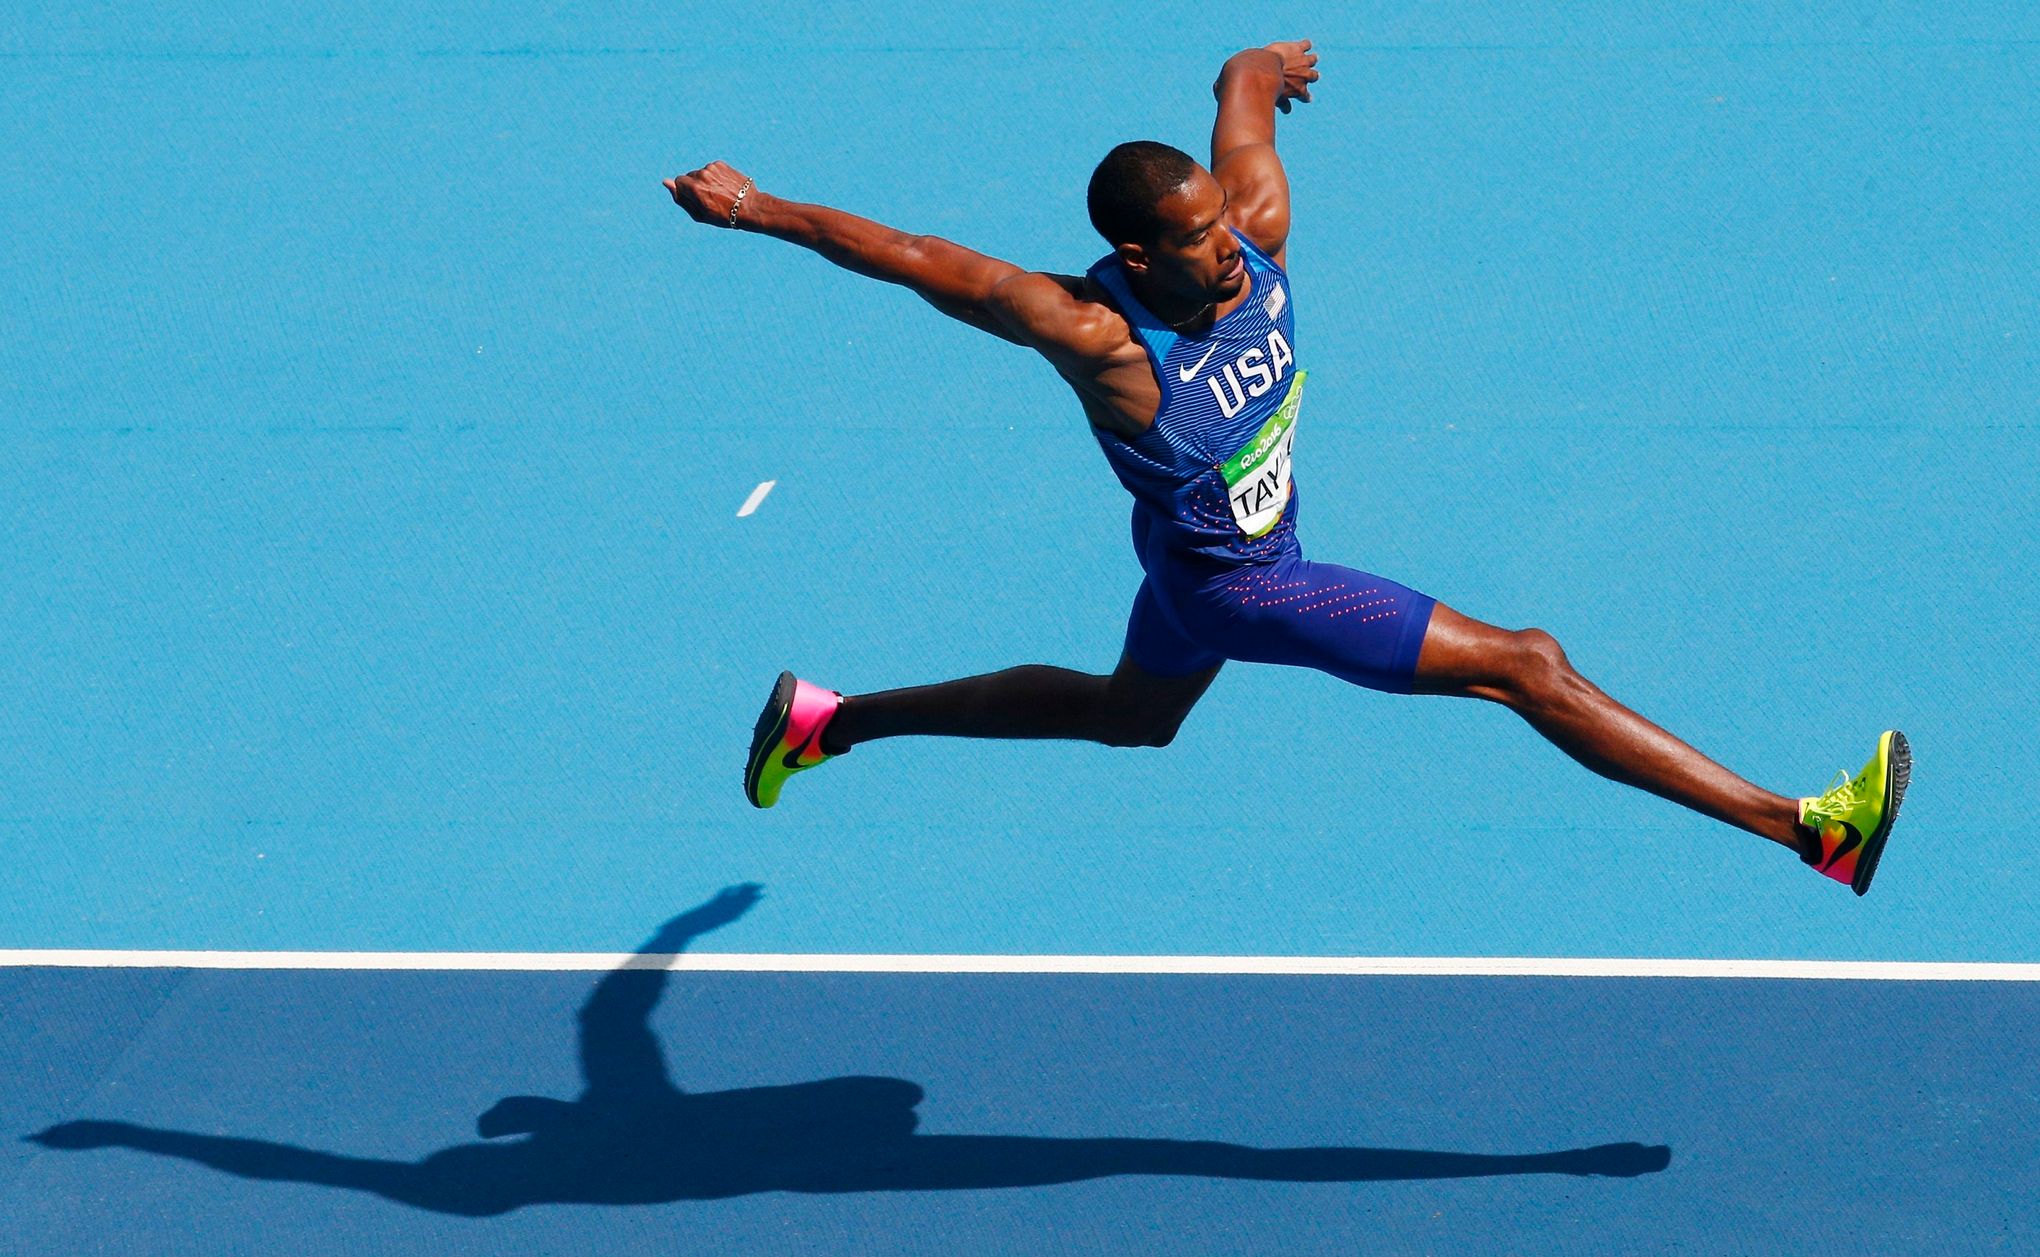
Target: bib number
<point>1257,478</point>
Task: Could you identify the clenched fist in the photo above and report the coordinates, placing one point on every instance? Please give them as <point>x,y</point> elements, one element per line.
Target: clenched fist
<point>708,194</point>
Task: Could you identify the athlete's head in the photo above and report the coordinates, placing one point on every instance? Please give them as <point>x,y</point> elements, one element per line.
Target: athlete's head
<point>1166,217</point>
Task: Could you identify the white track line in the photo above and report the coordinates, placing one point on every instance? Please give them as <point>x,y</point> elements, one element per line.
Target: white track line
<point>1340,966</point>
<point>757,496</point>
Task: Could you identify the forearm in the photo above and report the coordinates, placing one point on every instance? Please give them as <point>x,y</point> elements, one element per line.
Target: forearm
<point>947,274</point>
<point>1248,89</point>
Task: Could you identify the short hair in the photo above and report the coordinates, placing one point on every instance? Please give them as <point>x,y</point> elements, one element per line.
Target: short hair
<point>1129,183</point>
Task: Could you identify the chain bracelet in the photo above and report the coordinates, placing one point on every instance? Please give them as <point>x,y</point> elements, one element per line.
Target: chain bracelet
<point>739,203</point>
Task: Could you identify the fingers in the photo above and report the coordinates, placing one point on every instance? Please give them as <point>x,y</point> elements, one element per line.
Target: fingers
<point>1307,75</point>
<point>692,188</point>
<point>1299,71</point>
<point>706,194</point>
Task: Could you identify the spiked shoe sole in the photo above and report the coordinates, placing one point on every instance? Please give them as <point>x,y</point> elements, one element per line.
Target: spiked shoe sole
<point>771,728</point>
<point>1897,777</point>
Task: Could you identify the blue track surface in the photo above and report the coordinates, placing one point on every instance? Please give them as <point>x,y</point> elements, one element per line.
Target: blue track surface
<point>1801,1116</point>
<point>372,430</point>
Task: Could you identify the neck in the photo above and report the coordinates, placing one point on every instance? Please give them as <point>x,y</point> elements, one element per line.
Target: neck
<point>1181,313</point>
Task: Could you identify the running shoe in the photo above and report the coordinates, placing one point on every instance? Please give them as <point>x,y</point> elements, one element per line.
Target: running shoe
<point>1851,820</point>
<point>788,738</point>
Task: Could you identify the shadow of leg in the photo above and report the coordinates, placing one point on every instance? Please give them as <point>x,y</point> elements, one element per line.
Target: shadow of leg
<point>926,1162</point>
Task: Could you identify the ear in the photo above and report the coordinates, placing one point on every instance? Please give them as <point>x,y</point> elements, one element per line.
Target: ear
<point>1133,257</point>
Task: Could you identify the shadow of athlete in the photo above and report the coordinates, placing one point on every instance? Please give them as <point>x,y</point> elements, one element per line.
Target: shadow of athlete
<point>635,1138</point>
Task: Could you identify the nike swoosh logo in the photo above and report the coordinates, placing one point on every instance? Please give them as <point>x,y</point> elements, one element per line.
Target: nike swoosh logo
<point>791,760</point>
<point>1852,839</point>
<point>1190,373</point>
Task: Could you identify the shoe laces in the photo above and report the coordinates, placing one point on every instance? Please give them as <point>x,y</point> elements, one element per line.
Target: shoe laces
<point>1842,795</point>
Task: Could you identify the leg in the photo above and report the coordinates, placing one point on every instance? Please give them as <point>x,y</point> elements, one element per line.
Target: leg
<point>1132,707</point>
<point>1160,677</point>
<point>933,1162</point>
<point>249,1158</point>
<point>1528,673</point>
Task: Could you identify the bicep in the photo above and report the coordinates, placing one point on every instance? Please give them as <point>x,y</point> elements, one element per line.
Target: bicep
<point>975,314</point>
<point>1258,190</point>
<point>1043,312</point>
<point>956,280</point>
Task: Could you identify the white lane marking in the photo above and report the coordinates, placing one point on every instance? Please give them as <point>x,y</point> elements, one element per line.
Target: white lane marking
<point>1302,966</point>
<point>757,496</point>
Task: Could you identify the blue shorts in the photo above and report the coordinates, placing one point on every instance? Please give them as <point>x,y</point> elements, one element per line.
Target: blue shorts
<point>1192,614</point>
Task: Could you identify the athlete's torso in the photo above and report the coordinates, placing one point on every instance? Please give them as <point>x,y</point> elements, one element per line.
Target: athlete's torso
<point>1212,471</point>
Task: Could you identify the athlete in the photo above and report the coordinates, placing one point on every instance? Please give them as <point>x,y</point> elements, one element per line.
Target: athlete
<point>1180,345</point>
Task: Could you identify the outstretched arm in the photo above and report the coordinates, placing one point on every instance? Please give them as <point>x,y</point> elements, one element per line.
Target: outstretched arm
<point>959,282</point>
<point>1251,87</point>
<point>620,1056</point>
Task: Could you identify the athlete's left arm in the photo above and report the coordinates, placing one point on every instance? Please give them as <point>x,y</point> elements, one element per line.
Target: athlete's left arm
<point>1251,87</point>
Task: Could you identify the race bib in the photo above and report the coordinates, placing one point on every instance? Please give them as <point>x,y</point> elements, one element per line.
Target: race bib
<point>1257,478</point>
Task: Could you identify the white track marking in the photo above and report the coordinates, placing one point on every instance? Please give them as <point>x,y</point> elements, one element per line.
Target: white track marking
<point>757,496</point>
<point>1302,966</point>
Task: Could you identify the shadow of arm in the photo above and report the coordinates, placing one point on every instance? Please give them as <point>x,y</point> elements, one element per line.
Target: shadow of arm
<point>619,1054</point>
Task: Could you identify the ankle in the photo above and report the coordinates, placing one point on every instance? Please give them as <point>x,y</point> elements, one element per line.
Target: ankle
<point>836,739</point>
<point>1806,841</point>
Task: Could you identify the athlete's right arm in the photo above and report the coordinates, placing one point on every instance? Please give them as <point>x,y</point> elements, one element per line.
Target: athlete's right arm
<point>994,296</point>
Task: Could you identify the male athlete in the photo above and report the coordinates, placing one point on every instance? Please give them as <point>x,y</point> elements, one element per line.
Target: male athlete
<point>1181,346</point>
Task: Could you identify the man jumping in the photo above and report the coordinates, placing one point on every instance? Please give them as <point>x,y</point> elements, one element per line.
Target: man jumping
<point>1180,344</point>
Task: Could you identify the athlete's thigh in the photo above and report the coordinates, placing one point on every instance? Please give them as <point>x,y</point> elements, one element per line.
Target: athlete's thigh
<point>1158,647</point>
<point>1162,671</point>
<point>1357,626</point>
<point>1160,699</point>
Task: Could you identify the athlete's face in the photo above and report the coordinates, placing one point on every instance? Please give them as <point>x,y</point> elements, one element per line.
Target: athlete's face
<point>1196,257</point>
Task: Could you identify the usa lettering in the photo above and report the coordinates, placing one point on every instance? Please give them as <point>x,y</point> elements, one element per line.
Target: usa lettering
<point>1251,374</point>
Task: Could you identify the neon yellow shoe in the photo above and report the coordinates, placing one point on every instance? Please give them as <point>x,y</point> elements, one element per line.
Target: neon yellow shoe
<point>788,738</point>
<point>1851,821</point>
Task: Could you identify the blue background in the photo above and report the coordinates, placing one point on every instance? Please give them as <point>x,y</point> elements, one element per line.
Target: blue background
<point>372,429</point>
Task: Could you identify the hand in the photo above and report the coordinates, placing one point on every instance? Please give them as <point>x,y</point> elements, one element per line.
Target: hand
<point>521,1115</point>
<point>731,903</point>
<point>708,193</point>
<point>1299,71</point>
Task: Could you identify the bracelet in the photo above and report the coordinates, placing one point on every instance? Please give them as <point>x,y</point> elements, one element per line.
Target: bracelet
<point>739,203</point>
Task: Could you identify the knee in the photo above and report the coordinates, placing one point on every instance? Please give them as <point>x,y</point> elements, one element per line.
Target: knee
<point>1141,732</point>
<point>1538,668</point>
<point>1138,724</point>
<point>1541,650</point>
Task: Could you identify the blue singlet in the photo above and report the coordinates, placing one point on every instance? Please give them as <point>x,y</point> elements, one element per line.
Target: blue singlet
<point>1214,515</point>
